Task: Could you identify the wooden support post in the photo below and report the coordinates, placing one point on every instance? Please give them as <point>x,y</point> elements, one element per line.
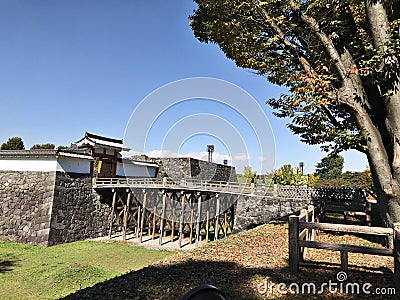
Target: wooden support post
<point>225,223</point>
<point>181,220</point>
<point>143,213</point>
<point>173,225</point>
<point>154,222</point>
<point>216,227</point>
<point>137,223</point>
<point>294,253</point>
<point>191,225</point>
<point>396,254</point>
<point>112,212</point>
<point>126,211</point>
<point>207,224</point>
<point>162,218</point>
<point>198,219</point>
<point>344,261</point>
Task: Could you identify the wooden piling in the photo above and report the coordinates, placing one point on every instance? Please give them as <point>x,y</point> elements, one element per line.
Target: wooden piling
<point>126,211</point>
<point>181,220</point>
<point>225,223</point>
<point>217,212</point>
<point>162,218</point>
<point>112,212</point>
<point>198,219</point>
<point>207,224</point>
<point>143,213</point>
<point>173,225</point>
<point>154,222</point>
<point>191,225</point>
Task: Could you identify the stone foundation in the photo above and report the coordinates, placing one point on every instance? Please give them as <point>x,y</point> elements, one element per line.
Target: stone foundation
<point>256,210</point>
<point>48,208</point>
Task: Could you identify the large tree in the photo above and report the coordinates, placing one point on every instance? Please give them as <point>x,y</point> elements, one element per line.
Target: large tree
<point>340,62</point>
<point>13,143</point>
<point>330,167</point>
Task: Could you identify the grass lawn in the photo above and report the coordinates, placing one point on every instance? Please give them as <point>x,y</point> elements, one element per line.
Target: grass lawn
<point>34,272</point>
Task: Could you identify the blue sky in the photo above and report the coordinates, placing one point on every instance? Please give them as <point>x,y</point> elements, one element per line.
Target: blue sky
<point>73,66</point>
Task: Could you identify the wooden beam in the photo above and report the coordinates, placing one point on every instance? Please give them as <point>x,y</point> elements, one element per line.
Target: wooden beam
<point>137,221</point>
<point>112,212</point>
<point>217,212</point>
<point>181,219</point>
<point>207,224</point>
<point>154,222</point>
<point>126,210</point>
<point>348,248</point>
<point>143,213</point>
<point>162,218</point>
<point>191,225</point>
<point>347,228</point>
<point>173,225</point>
<point>198,219</point>
<point>225,224</point>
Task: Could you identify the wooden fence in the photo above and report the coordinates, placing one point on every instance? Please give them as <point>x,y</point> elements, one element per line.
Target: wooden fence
<point>302,230</point>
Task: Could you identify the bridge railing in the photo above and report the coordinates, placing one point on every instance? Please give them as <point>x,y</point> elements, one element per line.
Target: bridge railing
<point>223,186</point>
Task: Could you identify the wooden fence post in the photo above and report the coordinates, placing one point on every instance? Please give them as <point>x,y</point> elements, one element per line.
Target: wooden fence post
<point>294,253</point>
<point>344,261</point>
<point>368,209</point>
<point>303,250</point>
<point>396,254</point>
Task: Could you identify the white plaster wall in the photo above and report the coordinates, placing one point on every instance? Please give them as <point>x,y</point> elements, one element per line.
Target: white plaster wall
<point>133,170</point>
<point>73,165</point>
<point>45,164</point>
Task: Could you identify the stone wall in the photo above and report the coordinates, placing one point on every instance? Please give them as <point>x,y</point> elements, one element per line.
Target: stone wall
<point>256,210</point>
<point>26,200</point>
<point>48,208</point>
<point>204,170</point>
<point>191,168</point>
<point>77,212</point>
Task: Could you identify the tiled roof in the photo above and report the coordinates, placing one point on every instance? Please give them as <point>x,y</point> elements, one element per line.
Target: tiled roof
<point>93,139</point>
<point>44,153</point>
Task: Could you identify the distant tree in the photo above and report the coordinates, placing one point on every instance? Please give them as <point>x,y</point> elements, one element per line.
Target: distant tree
<point>13,143</point>
<point>248,174</point>
<point>287,175</point>
<point>61,147</point>
<point>43,146</point>
<point>330,167</point>
<point>311,179</point>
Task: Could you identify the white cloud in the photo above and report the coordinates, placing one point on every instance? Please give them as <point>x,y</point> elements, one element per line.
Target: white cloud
<point>243,157</point>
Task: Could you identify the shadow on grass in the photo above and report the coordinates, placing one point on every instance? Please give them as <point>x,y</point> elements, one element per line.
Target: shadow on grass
<point>8,263</point>
<point>173,281</point>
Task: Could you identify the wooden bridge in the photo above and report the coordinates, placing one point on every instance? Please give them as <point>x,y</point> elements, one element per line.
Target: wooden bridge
<point>187,211</point>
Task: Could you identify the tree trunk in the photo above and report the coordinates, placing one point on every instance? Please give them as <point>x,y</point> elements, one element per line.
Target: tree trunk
<point>388,204</point>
